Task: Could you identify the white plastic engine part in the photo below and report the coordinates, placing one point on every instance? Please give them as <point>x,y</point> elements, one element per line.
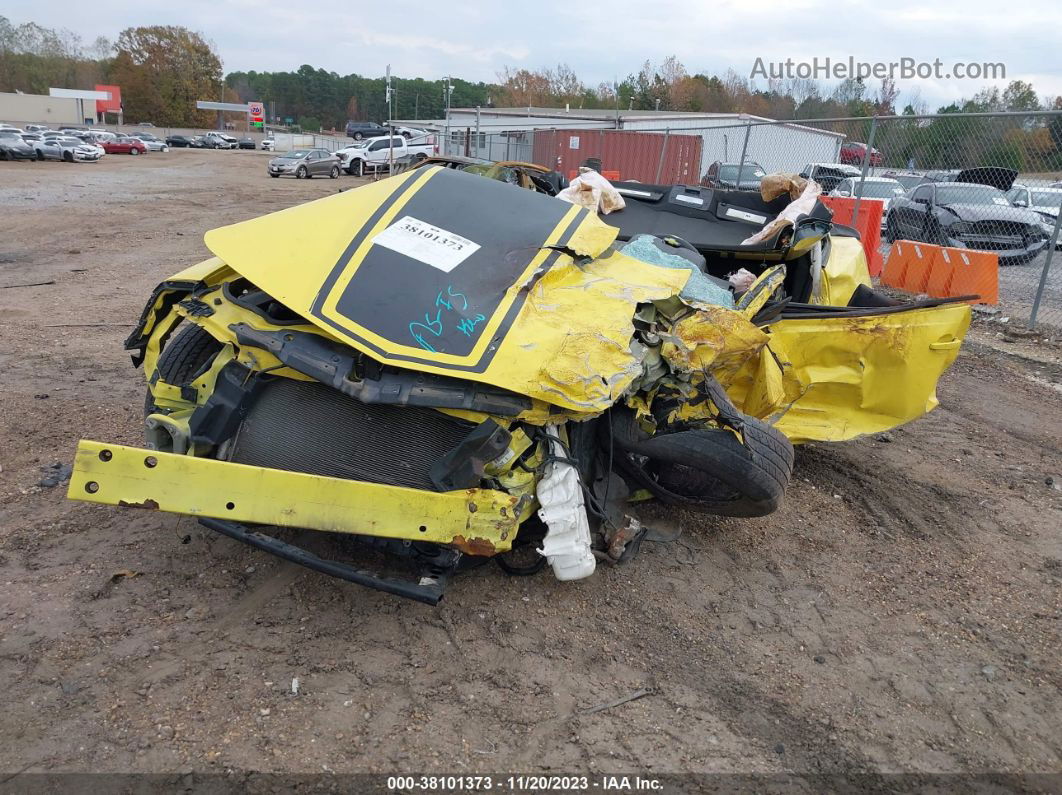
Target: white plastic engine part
<point>560,497</point>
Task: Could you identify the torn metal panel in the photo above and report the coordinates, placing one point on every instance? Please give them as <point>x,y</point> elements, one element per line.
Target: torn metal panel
<point>866,374</point>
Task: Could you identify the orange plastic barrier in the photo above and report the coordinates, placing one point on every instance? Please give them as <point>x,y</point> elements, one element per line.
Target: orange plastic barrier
<point>868,224</point>
<point>895,269</point>
<point>975,273</point>
<point>942,272</point>
<point>920,257</point>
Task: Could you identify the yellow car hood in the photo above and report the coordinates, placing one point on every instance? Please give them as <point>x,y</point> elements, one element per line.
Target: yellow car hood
<point>450,273</point>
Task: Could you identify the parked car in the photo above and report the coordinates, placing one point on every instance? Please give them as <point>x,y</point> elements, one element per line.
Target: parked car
<point>123,146</point>
<point>198,142</point>
<point>178,141</point>
<point>828,175</point>
<point>909,179</point>
<point>37,128</point>
<point>151,142</point>
<point>411,132</point>
<point>46,148</point>
<point>878,189</point>
<point>247,142</point>
<point>216,140</point>
<point>76,150</point>
<point>725,175</point>
<point>97,135</point>
<point>853,152</point>
<point>365,129</point>
<point>268,144</point>
<point>12,147</point>
<point>305,164</point>
<point>968,214</point>
<point>1045,202</point>
<point>376,153</point>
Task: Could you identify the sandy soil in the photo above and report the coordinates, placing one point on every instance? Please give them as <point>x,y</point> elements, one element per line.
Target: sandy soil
<point>900,613</point>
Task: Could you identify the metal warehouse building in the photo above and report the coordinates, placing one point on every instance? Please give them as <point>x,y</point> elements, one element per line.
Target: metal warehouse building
<point>508,133</point>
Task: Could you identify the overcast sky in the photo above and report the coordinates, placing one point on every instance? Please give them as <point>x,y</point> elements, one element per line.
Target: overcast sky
<point>601,41</point>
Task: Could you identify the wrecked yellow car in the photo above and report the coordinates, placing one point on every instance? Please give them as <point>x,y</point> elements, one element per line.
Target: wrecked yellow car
<point>451,369</point>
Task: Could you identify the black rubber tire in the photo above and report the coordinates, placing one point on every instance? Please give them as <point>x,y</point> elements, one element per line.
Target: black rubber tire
<point>274,176</point>
<point>334,173</point>
<point>710,470</point>
<point>358,136</point>
<point>184,356</point>
<point>301,173</point>
<point>359,169</point>
<point>134,151</point>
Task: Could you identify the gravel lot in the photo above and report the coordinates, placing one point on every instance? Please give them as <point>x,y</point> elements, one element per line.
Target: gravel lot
<point>900,613</point>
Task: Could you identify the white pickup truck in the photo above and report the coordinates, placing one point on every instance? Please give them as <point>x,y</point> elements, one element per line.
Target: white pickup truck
<point>375,153</point>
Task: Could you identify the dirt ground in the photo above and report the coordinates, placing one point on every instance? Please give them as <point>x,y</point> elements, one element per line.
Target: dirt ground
<point>901,612</point>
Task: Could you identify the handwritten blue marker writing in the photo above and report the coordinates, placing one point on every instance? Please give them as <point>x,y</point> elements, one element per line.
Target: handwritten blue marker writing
<point>452,302</point>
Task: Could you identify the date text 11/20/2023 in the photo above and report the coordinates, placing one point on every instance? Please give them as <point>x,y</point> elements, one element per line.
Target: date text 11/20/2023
<point>529,783</point>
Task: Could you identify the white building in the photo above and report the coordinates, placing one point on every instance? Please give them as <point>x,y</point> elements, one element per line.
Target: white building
<point>507,133</point>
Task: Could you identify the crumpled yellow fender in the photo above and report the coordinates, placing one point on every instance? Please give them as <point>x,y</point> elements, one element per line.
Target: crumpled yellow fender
<point>861,375</point>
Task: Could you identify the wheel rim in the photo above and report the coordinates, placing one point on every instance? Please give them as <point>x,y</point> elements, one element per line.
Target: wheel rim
<point>335,172</point>
<point>301,173</point>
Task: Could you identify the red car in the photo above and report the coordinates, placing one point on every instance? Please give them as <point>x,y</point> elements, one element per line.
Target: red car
<point>123,146</point>
<point>852,154</point>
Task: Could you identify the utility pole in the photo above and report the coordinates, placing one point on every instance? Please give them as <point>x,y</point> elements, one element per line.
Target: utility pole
<point>390,126</point>
<point>447,91</point>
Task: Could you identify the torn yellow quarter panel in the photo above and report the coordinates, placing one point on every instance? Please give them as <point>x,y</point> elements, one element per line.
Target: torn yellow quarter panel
<point>863,375</point>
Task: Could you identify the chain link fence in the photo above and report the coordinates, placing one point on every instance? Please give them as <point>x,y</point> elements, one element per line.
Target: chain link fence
<point>987,182</point>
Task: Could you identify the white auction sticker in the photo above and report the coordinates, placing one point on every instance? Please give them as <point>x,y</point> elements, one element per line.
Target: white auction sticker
<point>745,216</point>
<point>429,244</point>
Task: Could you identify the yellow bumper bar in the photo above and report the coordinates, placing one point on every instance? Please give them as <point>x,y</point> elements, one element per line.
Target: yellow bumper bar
<point>476,521</point>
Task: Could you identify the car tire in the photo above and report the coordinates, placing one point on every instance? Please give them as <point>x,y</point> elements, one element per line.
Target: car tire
<point>164,149</point>
<point>357,136</point>
<point>274,176</point>
<point>301,173</point>
<point>68,157</point>
<point>359,169</point>
<point>134,151</point>
<point>334,173</point>
<point>182,358</point>
<point>38,155</point>
<point>710,470</point>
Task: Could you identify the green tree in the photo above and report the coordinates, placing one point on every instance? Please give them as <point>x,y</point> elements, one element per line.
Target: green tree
<point>163,70</point>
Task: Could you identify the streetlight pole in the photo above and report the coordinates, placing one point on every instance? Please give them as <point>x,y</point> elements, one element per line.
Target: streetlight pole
<point>447,91</point>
